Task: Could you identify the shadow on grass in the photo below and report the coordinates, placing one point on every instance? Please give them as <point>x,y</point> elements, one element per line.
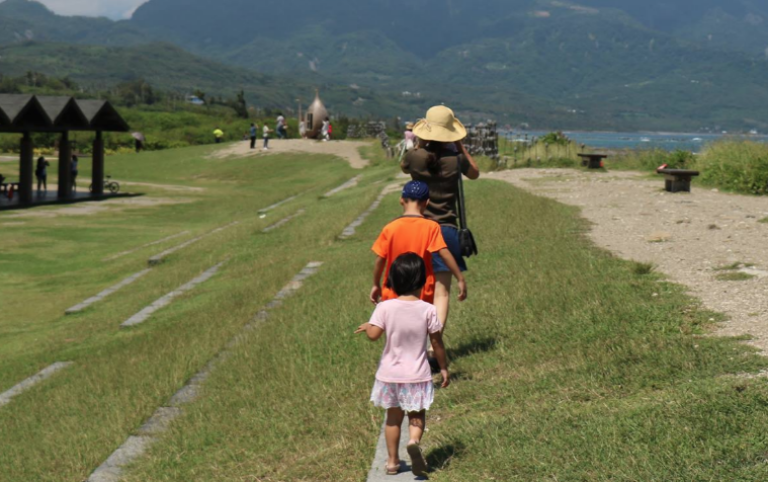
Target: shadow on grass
<point>479,345</point>
<point>440,458</point>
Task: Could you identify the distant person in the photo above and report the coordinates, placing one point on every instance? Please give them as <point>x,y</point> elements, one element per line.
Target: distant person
<point>218,134</point>
<point>303,129</point>
<point>41,173</point>
<point>138,145</point>
<point>74,172</point>
<point>254,130</point>
<point>324,129</point>
<point>438,161</point>
<point>282,132</point>
<point>266,131</point>
<point>403,381</point>
<point>330,130</point>
<point>410,137</point>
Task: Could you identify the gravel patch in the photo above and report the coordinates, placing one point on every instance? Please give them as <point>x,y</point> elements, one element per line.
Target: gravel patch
<point>347,150</point>
<point>686,236</point>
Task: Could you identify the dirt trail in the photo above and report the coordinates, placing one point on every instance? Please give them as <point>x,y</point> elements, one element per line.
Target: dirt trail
<point>687,236</point>
<point>347,150</point>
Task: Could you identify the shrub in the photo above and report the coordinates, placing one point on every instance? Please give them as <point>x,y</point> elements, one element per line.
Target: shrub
<point>740,166</point>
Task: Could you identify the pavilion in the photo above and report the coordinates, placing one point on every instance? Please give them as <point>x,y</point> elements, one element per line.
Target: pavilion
<point>28,114</point>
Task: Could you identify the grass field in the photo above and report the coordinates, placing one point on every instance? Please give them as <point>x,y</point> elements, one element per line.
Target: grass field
<point>569,364</point>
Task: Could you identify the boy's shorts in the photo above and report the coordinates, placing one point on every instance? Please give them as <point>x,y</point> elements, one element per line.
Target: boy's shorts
<point>451,237</point>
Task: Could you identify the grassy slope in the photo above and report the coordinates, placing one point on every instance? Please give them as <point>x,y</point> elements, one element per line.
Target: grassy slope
<point>567,367</point>
<point>120,377</point>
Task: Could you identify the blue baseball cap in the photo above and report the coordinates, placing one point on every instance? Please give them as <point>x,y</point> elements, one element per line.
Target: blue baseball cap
<point>416,190</point>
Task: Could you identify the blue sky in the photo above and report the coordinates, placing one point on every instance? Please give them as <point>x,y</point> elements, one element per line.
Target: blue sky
<point>107,8</point>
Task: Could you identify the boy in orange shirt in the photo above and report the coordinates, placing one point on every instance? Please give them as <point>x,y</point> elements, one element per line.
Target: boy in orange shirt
<point>412,233</point>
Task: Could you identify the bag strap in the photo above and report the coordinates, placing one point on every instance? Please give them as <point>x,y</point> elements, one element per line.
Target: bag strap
<point>462,207</point>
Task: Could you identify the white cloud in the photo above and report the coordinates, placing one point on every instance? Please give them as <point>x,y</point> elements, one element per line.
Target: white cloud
<point>94,8</point>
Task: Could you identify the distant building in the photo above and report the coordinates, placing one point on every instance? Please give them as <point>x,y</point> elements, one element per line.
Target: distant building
<point>195,100</point>
<point>315,116</point>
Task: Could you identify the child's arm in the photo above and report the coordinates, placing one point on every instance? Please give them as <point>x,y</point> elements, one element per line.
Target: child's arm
<point>378,270</point>
<point>449,261</point>
<point>373,332</point>
<point>437,344</point>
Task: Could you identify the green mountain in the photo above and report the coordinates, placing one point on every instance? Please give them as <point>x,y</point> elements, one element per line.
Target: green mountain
<point>596,63</point>
<point>607,64</point>
<point>172,69</point>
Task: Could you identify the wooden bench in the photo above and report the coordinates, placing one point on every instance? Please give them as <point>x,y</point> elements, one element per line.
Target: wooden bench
<point>592,161</point>
<point>677,180</point>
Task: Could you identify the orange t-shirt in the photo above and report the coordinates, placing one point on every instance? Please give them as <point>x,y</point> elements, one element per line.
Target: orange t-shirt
<point>410,234</point>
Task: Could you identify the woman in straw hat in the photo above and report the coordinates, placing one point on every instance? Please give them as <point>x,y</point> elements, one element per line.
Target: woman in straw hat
<point>439,160</point>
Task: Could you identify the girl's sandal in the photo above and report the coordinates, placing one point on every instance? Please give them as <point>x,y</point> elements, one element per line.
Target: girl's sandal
<point>418,462</point>
<point>393,470</point>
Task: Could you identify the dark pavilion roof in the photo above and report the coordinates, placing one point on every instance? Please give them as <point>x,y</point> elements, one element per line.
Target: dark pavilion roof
<point>29,113</point>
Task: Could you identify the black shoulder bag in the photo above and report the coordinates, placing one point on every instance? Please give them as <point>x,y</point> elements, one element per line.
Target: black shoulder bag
<point>466,239</point>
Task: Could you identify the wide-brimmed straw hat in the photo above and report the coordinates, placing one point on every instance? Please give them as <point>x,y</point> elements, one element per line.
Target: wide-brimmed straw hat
<point>441,125</point>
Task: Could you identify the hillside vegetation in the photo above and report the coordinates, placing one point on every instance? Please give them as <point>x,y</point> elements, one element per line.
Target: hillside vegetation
<point>594,64</point>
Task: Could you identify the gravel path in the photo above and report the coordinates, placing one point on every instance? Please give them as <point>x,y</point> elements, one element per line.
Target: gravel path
<point>686,236</point>
<point>347,150</point>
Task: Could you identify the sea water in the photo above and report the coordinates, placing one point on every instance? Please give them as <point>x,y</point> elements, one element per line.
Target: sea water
<point>635,140</point>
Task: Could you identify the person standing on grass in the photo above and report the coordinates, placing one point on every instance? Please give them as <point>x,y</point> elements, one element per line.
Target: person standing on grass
<point>74,172</point>
<point>439,160</point>
<point>281,130</point>
<point>324,129</point>
<point>266,136</point>
<point>404,380</point>
<point>412,233</point>
<point>254,130</point>
<point>218,134</point>
<point>41,173</point>
<point>409,137</point>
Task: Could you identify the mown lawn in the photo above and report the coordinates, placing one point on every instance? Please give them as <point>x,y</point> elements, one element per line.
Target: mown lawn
<point>568,364</point>
<point>66,427</point>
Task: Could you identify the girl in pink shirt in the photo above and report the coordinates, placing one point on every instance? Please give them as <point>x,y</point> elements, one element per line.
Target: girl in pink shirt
<point>404,380</point>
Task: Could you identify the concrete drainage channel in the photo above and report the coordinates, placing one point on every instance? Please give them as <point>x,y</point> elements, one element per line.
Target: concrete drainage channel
<point>154,243</point>
<point>46,373</point>
<point>153,261</point>
<point>350,230</point>
<point>283,221</point>
<point>136,445</point>
<point>157,259</point>
<point>347,185</point>
<point>166,300</point>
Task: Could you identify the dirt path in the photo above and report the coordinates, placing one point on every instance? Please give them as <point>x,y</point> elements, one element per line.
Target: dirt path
<point>686,236</point>
<point>347,150</point>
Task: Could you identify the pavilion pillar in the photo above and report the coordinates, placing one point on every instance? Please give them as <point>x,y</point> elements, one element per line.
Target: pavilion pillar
<point>26,163</point>
<point>97,181</point>
<point>65,169</point>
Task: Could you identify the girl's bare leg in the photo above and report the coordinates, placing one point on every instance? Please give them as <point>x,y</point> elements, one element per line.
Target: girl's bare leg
<point>392,435</point>
<point>416,422</point>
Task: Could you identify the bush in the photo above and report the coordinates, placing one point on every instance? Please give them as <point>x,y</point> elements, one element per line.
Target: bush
<point>740,166</point>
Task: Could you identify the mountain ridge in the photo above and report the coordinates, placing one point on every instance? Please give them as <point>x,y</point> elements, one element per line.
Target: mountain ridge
<point>603,64</point>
